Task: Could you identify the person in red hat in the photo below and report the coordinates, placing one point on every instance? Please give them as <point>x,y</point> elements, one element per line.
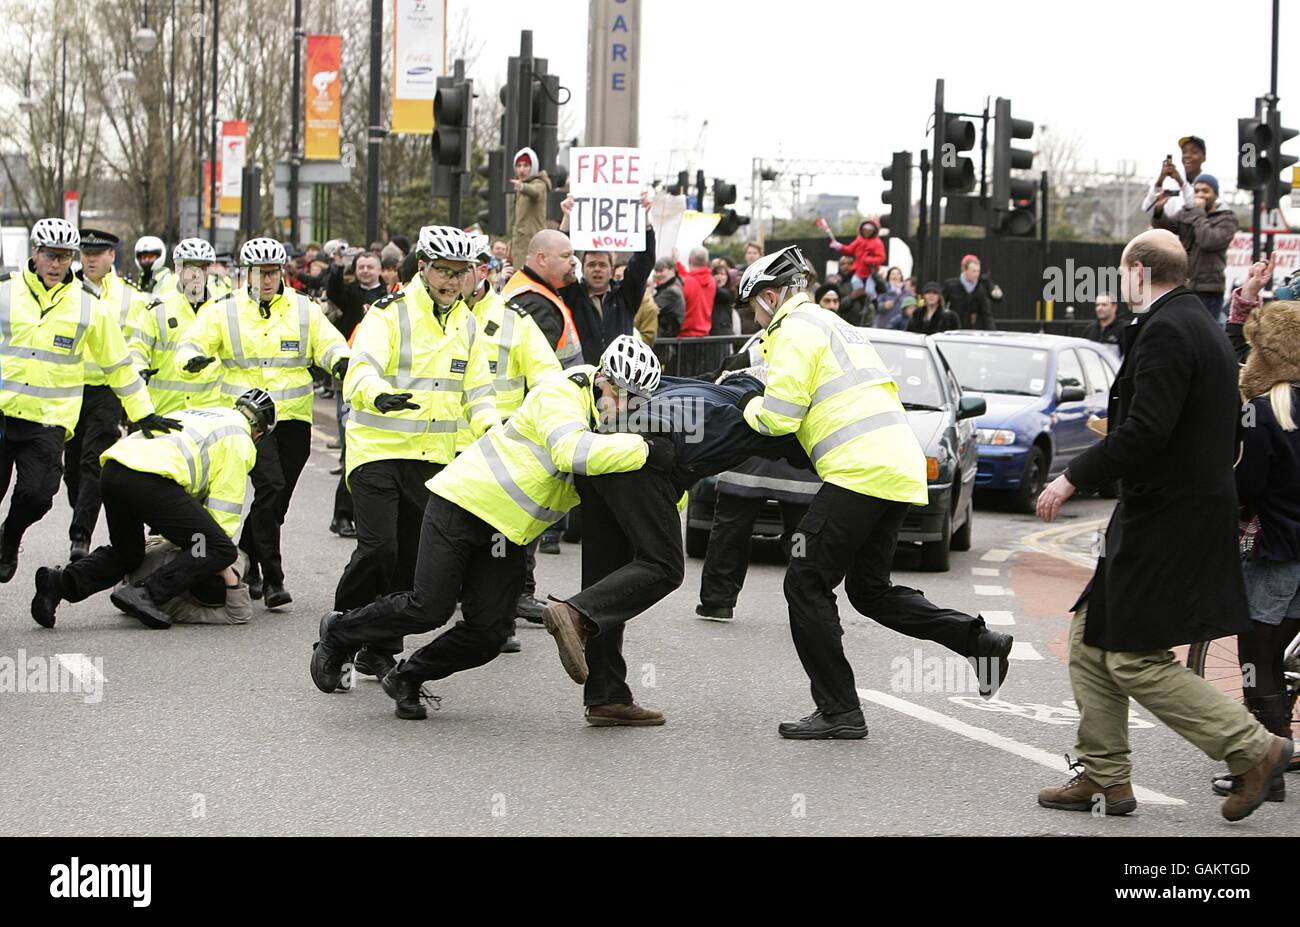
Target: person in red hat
<point>867,251</point>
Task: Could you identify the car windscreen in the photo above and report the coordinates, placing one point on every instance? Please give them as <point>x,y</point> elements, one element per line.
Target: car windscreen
<point>914,370</point>
<point>997,368</point>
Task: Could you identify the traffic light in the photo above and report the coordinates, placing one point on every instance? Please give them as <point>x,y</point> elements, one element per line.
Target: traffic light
<point>957,170</point>
<point>1277,162</point>
<point>730,222</point>
<point>898,196</point>
<point>724,194</point>
<point>1007,215</point>
<point>1254,138</point>
<point>493,218</point>
<point>452,105</point>
<point>544,127</point>
<point>683,185</point>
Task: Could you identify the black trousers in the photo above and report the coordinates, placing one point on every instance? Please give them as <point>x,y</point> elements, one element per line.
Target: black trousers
<point>460,554</point>
<point>37,452</point>
<point>281,455</point>
<point>727,559</point>
<point>850,537</point>
<point>391,498</point>
<point>131,501</point>
<point>98,428</point>
<point>631,559</point>
<point>530,567</point>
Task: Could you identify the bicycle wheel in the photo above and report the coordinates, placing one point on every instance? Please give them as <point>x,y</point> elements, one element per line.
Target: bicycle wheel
<point>1216,662</point>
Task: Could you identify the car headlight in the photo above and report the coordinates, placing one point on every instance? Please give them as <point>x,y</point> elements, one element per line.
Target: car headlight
<point>998,437</point>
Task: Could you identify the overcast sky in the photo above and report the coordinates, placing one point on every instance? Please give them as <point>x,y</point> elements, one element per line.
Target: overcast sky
<point>836,79</point>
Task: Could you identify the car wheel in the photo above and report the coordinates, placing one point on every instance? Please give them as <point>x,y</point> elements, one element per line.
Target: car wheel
<point>961,537</point>
<point>1032,482</point>
<point>934,554</point>
<point>697,542</point>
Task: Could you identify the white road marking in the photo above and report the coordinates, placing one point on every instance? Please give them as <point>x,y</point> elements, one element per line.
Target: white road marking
<point>1001,618</point>
<point>1024,651</point>
<point>79,665</point>
<point>996,555</point>
<point>984,571</point>
<point>992,590</point>
<point>989,738</point>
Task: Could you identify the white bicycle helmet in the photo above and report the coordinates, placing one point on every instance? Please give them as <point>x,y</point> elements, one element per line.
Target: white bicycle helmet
<point>193,249</point>
<point>150,244</point>
<point>446,242</point>
<point>56,233</point>
<point>785,270</point>
<point>482,246</point>
<point>258,252</point>
<point>629,364</point>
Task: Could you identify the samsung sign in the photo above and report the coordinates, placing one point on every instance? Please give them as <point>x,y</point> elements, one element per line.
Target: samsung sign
<point>613,73</point>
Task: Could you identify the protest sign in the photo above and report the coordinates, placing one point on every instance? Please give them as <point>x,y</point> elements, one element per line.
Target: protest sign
<point>606,185</point>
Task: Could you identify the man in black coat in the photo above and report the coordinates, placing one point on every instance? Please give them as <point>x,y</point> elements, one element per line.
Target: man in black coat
<point>1169,573</point>
<point>971,295</point>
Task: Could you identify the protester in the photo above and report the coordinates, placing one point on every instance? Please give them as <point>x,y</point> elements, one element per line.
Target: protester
<point>669,298</point>
<point>935,317</point>
<point>699,288</point>
<point>1205,228</point>
<point>1169,572</point>
<point>532,186</point>
<point>972,295</point>
<point>1110,321</point>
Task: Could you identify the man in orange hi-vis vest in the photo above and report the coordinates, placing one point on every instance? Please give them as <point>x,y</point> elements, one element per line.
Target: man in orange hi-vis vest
<point>534,290</point>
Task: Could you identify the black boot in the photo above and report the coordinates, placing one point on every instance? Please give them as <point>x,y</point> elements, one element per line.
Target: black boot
<point>276,595</point>
<point>8,559</point>
<point>254,580</point>
<point>406,692</point>
<point>327,657</point>
<point>136,602</point>
<point>49,593</point>
<point>991,660</point>
<point>373,663</point>
<point>844,725</point>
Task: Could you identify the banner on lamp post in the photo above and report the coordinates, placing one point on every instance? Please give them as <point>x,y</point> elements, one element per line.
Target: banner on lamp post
<point>324,97</point>
<point>419,59</point>
<point>230,172</point>
<point>72,206</point>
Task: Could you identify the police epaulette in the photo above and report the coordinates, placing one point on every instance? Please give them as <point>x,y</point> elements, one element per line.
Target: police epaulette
<point>132,284</point>
<point>581,379</point>
<point>519,310</point>
<point>773,327</point>
<point>391,298</point>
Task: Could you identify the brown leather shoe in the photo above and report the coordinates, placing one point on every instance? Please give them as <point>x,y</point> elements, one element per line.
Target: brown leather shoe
<point>564,623</point>
<point>623,715</point>
<point>1253,785</point>
<point>1082,794</point>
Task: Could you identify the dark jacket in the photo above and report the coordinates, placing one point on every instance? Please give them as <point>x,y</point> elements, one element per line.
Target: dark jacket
<point>724,301</point>
<point>1268,480</point>
<point>1169,573</point>
<point>672,308</point>
<point>1206,237</point>
<point>943,320</point>
<point>597,328</point>
<point>1109,334</point>
<point>351,298</point>
<point>974,309</point>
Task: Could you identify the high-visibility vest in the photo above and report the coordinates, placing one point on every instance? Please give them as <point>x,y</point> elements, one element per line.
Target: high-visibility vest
<point>403,345</point>
<point>154,343</point>
<point>827,384</point>
<point>265,353</point>
<point>163,280</point>
<point>209,458</point>
<point>569,348</point>
<point>124,302</point>
<point>45,337</point>
<point>519,476</point>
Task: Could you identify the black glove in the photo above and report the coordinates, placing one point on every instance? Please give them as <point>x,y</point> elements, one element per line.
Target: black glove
<point>154,423</point>
<point>744,400</point>
<point>663,453</point>
<point>340,369</point>
<point>391,402</point>
<point>148,374</point>
<point>195,364</point>
<point>737,361</point>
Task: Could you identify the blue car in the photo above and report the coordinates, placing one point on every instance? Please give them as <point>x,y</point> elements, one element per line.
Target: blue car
<point>1041,392</point>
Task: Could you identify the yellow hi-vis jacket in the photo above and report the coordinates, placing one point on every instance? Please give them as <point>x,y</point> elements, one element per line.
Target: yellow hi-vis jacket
<point>45,337</point>
<point>209,458</point>
<point>403,345</point>
<point>154,342</point>
<point>270,353</point>
<point>826,384</point>
<point>124,302</point>
<point>519,476</point>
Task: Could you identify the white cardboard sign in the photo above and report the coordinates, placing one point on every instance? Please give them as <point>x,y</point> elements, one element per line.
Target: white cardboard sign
<point>606,185</point>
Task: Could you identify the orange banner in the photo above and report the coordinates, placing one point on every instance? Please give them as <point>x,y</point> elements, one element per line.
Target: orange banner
<point>230,168</point>
<point>324,97</point>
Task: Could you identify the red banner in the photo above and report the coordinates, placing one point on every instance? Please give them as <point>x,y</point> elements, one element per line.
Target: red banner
<point>324,97</point>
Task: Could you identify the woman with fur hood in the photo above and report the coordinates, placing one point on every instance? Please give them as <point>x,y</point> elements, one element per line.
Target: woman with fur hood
<point>1268,489</point>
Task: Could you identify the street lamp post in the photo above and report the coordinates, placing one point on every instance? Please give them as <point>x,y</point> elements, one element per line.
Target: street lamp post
<point>375,133</point>
<point>212,148</point>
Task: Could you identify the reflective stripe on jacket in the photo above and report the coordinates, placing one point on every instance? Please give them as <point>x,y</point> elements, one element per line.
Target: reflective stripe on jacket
<point>154,343</point>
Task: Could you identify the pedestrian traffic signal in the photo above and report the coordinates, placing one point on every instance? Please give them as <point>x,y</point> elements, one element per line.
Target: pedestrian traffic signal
<point>1005,215</point>
<point>957,171</point>
<point>898,195</point>
<point>545,123</point>
<point>493,218</point>
<point>452,105</point>
<point>724,194</point>
<point>1276,162</point>
<point>1253,142</point>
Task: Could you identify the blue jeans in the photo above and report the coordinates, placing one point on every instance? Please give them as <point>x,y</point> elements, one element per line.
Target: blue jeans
<point>1213,303</point>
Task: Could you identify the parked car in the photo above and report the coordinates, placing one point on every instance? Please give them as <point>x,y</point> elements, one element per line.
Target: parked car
<point>943,421</point>
<point>1041,390</point>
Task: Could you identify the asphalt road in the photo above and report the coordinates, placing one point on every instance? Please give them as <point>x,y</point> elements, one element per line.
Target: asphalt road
<point>219,730</point>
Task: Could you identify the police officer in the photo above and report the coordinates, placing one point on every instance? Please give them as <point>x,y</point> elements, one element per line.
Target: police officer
<point>189,487</point>
<point>487,504</point>
<point>266,337</point>
<point>99,423</point>
<point>415,360</point>
<point>49,326</point>
<point>151,262</point>
<point>156,336</point>
<point>827,385</point>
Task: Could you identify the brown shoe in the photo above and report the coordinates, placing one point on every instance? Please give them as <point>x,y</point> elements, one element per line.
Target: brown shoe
<point>564,623</point>
<point>623,715</point>
<point>1082,794</point>
<point>1253,785</point>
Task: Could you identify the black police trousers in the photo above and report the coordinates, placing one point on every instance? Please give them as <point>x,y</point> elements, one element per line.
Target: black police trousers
<point>727,559</point>
<point>281,455</point>
<point>98,429</point>
<point>133,500</point>
<point>37,452</point>
<point>460,555</point>
<point>850,537</point>
<point>631,559</point>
